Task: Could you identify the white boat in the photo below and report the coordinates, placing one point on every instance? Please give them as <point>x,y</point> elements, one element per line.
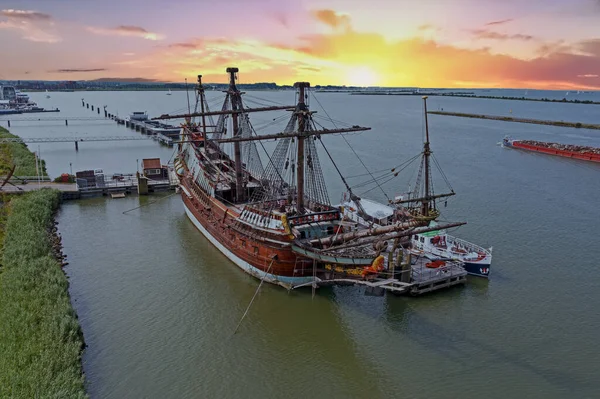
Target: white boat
<point>138,116</point>
<point>433,245</point>
<point>169,92</point>
<point>438,244</point>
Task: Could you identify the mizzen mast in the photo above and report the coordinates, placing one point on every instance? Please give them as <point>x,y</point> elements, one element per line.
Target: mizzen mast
<point>302,114</point>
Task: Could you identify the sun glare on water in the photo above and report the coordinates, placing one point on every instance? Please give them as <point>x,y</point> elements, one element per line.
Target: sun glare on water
<point>362,76</point>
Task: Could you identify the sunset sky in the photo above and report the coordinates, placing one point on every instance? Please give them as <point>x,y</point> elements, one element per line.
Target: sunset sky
<point>427,43</point>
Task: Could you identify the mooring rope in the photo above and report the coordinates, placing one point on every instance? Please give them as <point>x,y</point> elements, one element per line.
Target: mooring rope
<point>150,203</point>
<point>262,280</point>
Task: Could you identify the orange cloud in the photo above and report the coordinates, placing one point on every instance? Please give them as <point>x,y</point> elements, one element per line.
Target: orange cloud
<point>35,26</point>
<point>420,62</point>
<point>332,18</point>
<point>487,34</point>
<point>345,56</point>
<point>501,22</point>
<point>126,30</point>
<point>25,15</point>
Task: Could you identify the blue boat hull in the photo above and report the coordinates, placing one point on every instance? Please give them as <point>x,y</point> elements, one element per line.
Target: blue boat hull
<point>477,269</point>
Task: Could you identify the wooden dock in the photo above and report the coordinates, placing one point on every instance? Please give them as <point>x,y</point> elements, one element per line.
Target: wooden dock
<point>518,120</point>
<point>422,279</point>
<point>116,189</point>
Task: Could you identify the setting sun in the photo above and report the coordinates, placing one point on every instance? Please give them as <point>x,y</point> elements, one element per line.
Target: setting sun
<point>362,76</point>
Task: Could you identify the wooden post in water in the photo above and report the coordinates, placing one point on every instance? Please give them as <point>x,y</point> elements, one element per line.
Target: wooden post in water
<point>92,108</point>
<point>87,105</point>
<point>142,184</point>
<point>406,270</point>
<point>76,146</point>
<point>8,123</point>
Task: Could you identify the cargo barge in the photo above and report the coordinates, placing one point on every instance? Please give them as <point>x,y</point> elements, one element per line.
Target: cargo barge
<point>583,153</point>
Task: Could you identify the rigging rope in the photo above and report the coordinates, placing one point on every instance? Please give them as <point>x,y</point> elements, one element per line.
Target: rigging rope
<point>355,154</point>
<point>393,172</point>
<point>390,179</point>
<point>441,172</point>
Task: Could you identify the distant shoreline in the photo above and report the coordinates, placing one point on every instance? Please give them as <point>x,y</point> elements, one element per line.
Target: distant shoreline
<point>463,95</point>
<point>191,89</point>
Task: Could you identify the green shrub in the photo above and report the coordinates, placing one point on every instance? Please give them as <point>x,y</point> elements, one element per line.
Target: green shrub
<point>41,340</point>
<point>19,155</point>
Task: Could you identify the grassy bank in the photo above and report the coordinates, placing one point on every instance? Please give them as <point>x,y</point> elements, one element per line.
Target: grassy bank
<point>41,341</point>
<point>17,154</point>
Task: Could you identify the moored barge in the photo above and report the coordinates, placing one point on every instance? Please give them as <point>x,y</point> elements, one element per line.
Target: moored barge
<point>583,153</point>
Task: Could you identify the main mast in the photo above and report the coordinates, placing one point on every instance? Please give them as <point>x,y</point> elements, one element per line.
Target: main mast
<point>426,154</point>
<point>301,112</point>
<point>201,95</point>
<point>235,98</point>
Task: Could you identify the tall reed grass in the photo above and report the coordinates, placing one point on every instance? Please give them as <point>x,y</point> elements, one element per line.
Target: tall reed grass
<point>40,337</point>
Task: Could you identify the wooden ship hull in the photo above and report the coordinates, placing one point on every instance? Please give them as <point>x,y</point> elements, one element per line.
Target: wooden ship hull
<point>263,254</point>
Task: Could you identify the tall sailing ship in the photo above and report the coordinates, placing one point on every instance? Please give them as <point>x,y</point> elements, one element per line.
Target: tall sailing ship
<point>275,222</point>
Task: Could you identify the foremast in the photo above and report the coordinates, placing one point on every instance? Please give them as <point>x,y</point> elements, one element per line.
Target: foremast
<point>421,203</point>
<point>302,115</point>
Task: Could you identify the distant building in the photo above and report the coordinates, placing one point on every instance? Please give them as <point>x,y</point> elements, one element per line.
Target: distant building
<point>153,169</point>
<point>8,93</point>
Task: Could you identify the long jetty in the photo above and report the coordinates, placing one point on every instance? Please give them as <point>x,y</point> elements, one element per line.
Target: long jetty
<point>69,191</point>
<point>578,125</point>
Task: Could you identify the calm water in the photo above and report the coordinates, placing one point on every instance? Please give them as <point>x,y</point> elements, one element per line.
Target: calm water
<point>158,304</point>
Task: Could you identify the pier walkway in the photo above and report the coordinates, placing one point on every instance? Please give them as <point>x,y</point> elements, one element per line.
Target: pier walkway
<point>74,191</point>
<point>27,140</point>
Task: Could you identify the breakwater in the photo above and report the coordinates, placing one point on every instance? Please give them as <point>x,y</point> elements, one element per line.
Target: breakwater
<point>544,100</point>
<point>519,120</point>
<point>393,92</point>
